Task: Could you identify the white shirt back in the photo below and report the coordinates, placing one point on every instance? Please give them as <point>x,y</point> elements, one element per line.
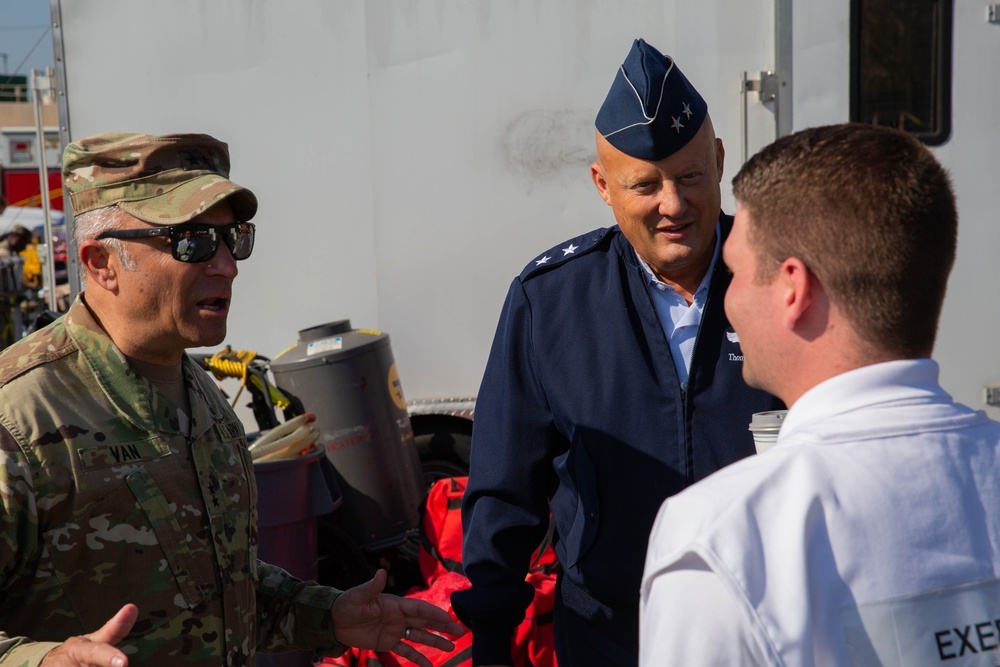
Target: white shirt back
<point>868,535</point>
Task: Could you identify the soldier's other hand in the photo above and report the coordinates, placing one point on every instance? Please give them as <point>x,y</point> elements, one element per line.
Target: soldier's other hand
<point>96,649</point>
<point>366,617</point>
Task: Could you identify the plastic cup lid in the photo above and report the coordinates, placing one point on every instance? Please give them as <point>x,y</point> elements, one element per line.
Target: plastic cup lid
<point>767,421</point>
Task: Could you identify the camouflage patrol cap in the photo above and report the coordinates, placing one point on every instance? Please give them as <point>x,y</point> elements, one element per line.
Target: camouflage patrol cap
<point>159,179</point>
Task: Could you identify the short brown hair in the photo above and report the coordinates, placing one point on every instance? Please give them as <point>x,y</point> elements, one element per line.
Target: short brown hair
<point>871,212</point>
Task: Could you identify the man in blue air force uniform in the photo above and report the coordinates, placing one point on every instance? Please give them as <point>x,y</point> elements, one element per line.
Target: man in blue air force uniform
<point>614,380</point>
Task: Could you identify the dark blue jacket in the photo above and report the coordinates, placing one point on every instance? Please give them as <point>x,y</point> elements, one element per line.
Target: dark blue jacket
<point>581,411</point>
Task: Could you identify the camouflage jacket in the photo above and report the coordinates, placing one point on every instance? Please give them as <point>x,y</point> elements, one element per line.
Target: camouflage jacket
<point>104,501</point>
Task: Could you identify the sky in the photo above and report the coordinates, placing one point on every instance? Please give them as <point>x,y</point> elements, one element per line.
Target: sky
<point>25,38</point>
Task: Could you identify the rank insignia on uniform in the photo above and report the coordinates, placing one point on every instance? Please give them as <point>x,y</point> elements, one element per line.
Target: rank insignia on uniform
<point>565,252</point>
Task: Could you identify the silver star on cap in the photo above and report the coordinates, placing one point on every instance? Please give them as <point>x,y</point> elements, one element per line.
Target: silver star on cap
<point>677,124</point>
<point>570,249</point>
<point>687,110</point>
<point>543,260</point>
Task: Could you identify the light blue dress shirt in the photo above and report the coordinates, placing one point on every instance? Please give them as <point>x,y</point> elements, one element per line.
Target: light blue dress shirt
<point>680,320</point>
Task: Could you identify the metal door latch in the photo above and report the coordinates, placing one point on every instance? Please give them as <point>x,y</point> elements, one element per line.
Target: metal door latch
<point>993,13</point>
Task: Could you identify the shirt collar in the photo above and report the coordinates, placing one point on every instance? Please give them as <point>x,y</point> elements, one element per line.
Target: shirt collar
<point>706,280</point>
<point>890,382</point>
<point>133,396</point>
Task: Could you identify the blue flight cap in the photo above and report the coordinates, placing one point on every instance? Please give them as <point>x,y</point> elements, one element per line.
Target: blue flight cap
<point>652,110</point>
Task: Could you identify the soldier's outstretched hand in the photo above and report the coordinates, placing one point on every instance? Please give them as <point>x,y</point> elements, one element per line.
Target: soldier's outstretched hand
<point>96,649</point>
<point>366,617</point>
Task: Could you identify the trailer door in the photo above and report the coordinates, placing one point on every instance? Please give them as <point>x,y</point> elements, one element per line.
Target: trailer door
<point>931,68</point>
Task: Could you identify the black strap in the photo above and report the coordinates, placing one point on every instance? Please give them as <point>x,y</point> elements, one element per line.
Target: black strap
<point>458,658</point>
<point>449,564</point>
<point>546,543</point>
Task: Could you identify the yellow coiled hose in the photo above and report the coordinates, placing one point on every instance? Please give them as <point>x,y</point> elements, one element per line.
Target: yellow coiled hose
<point>230,363</point>
<point>284,441</point>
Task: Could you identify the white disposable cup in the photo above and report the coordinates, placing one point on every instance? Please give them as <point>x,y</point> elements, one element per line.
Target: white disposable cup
<point>764,427</point>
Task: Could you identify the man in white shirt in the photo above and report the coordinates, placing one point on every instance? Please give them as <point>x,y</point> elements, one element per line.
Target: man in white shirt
<point>870,533</point>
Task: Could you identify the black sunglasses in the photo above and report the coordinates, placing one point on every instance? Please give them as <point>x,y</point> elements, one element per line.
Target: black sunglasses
<point>194,241</point>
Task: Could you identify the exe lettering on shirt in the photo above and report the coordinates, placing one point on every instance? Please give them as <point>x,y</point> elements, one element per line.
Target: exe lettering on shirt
<point>981,637</point>
<point>955,625</point>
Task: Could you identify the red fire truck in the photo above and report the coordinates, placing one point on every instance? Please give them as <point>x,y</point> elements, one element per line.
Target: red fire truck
<point>20,187</point>
<point>20,184</point>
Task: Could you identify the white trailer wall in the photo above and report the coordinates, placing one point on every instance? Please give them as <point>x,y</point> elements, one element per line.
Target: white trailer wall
<point>410,157</point>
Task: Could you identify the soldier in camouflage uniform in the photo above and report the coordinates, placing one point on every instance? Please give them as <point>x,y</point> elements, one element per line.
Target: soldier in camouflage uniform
<point>126,489</point>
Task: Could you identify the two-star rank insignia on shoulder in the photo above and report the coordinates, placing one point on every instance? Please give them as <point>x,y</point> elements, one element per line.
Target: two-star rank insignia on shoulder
<point>565,251</point>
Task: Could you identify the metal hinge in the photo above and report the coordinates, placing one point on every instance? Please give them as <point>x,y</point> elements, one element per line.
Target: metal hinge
<point>991,394</point>
<point>766,86</point>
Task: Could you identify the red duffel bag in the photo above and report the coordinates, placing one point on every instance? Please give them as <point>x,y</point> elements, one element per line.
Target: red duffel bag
<point>440,559</point>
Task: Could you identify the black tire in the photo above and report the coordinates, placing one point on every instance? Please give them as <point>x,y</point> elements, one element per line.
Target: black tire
<point>341,564</point>
<point>443,438</point>
<point>435,469</point>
